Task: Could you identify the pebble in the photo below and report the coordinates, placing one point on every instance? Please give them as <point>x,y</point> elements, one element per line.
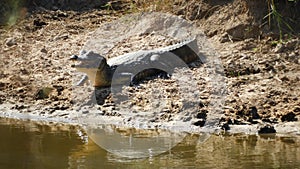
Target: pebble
<point>200,123</point>
<point>266,129</point>
<point>279,48</point>
<point>43,50</point>
<point>10,42</point>
<point>289,117</point>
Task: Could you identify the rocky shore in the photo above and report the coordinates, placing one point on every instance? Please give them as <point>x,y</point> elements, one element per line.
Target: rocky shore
<point>261,73</point>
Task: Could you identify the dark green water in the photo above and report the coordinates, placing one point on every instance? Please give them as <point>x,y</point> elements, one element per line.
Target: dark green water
<point>30,145</point>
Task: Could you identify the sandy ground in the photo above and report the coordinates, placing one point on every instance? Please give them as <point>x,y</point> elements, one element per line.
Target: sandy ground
<point>262,76</point>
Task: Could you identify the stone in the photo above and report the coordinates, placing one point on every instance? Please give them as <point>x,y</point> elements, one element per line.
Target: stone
<point>10,42</point>
<point>266,129</point>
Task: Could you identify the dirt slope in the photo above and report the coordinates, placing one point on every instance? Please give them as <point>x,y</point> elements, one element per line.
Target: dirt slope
<point>262,75</point>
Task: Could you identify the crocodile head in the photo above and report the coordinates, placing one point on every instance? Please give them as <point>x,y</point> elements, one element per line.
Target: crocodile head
<point>94,66</point>
<point>89,60</point>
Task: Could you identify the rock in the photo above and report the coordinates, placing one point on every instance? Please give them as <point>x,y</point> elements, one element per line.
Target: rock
<point>59,88</point>
<point>279,48</point>
<point>224,38</point>
<point>200,123</point>
<point>225,127</point>
<point>39,23</point>
<point>19,107</point>
<point>43,50</point>
<point>10,42</point>
<point>266,129</point>
<point>61,37</point>
<point>270,120</point>
<point>202,114</point>
<point>297,109</point>
<point>289,117</point>
<point>243,31</point>
<point>201,104</point>
<point>61,13</point>
<point>253,113</point>
<point>284,78</point>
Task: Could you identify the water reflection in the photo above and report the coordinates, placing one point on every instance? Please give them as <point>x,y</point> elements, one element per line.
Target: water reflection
<point>134,143</point>
<point>32,145</point>
<point>28,145</point>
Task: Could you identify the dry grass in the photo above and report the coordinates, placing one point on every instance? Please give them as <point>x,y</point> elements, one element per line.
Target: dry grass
<point>155,5</point>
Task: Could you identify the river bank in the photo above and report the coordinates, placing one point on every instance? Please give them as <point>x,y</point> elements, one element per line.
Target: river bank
<point>262,74</point>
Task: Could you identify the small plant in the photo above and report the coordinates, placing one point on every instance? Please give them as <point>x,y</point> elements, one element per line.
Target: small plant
<point>43,93</point>
<point>10,12</point>
<point>108,6</point>
<point>134,6</point>
<point>279,21</point>
<point>155,5</point>
<point>275,42</point>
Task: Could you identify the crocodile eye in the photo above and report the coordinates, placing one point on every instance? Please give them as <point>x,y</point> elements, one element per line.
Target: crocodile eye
<point>74,57</point>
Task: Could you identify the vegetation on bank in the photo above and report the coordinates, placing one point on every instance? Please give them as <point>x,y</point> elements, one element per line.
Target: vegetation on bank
<point>275,17</point>
<point>281,16</point>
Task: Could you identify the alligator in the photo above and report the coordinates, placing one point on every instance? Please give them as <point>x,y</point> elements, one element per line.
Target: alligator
<point>134,66</point>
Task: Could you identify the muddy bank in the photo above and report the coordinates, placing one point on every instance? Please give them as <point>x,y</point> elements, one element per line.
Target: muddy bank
<point>262,75</point>
<point>81,121</point>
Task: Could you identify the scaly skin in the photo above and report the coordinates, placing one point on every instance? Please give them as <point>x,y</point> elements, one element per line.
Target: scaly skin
<point>136,65</point>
